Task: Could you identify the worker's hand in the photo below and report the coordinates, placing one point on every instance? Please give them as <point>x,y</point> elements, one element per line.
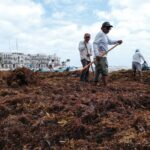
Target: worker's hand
<point>103,53</point>
<point>119,41</point>
<point>98,58</point>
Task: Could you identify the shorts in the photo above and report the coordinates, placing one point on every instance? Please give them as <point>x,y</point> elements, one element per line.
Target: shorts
<point>136,66</point>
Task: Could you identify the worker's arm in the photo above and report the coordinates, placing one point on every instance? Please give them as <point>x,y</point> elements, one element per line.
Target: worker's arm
<point>96,42</point>
<point>111,42</point>
<point>81,46</point>
<point>141,56</point>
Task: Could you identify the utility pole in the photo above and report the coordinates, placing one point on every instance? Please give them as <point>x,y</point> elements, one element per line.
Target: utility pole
<point>9,46</point>
<point>17,45</point>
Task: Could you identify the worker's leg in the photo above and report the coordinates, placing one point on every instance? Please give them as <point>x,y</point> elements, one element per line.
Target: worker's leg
<point>139,69</point>
<point>86,78</point>
<point>97,70</point>
<point>134,69</point>
<point>104,70</point>
<point>84,72</point>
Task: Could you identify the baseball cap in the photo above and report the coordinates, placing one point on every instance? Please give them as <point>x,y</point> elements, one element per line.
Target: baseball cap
<point>137,50</point>
<point>106,24</point>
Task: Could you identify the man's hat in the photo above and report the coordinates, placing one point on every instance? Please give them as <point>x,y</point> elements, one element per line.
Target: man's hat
<point>106,24</point>
<point>137,50</point>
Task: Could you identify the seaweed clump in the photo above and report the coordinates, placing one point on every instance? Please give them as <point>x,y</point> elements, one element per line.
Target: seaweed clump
<point>21,77</point>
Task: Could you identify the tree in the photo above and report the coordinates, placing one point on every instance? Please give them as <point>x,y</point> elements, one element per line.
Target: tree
<point>68,60</point>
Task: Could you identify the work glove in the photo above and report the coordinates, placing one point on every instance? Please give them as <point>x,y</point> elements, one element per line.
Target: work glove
<point>119,41</point>
<point>98,58</point>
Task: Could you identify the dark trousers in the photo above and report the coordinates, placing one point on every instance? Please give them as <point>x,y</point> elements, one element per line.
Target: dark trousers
<point>101,68</point>
<point>85,73</point>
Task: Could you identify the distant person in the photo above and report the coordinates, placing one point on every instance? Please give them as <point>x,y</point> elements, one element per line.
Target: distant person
<point>30,66</point>
<point>67,69</point>
<point>136,63</point>
<point>100,46</point>
<point>50,66</point>
<point>85,49</point>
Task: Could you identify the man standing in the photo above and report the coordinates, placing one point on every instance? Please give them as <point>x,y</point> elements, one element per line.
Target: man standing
<point>136,63</point>
<point>85,50</point>
<point>100,46</point>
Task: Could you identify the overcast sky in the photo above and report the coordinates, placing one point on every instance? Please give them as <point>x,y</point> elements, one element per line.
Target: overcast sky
<point>57,26</point>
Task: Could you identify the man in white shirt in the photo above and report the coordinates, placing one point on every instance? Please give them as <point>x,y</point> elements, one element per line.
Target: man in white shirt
<point>85,50</point>
<point>136,63</point>
<point>100,46</point>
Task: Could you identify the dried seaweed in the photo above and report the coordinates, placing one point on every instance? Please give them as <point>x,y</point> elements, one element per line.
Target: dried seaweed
<point>61,113</point>
<point>20,77</point>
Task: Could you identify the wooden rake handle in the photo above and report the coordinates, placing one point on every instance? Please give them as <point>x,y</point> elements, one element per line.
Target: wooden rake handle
<point>85,67</point>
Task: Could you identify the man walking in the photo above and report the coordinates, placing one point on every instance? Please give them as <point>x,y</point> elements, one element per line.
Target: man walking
<point>100,46</point>
<point>136,63</point>
<point>85,50</point>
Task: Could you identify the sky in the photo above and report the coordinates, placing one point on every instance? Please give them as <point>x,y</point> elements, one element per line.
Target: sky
<point>57,26</point>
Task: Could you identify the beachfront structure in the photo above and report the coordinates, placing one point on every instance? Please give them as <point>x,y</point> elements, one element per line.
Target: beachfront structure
<point>14,60</point>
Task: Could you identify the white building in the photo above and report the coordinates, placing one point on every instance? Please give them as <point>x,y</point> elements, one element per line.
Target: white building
<point>15,60</point>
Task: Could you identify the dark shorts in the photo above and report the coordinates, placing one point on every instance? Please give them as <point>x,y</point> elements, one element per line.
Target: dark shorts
<point>85,73</point>
<point>136,66</point>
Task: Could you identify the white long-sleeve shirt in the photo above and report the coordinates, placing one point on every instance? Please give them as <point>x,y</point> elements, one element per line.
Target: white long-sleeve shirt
<point>84,51</point>
<point>137,57</point>
<point>100,44</point>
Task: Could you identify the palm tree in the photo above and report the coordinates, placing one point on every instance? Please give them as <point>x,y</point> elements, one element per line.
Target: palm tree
<point>68,60</point>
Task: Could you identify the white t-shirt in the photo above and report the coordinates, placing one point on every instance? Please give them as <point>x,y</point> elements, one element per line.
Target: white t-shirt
<point>137,57</point>
<point>84,51</point>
